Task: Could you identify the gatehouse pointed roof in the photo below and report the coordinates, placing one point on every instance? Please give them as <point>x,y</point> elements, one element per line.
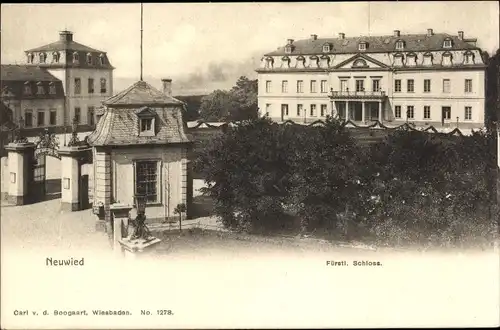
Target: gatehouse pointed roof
<point>140,94</point>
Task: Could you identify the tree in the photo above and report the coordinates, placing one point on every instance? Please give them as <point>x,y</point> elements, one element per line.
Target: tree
<point>180,209</point>
<point>492,86</point>
<point>239,103</point>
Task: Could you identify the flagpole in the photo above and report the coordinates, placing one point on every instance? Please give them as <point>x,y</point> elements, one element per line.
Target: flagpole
<point>141,41</point>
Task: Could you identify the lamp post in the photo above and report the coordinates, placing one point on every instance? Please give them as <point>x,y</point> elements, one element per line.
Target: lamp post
<point>140,230</point>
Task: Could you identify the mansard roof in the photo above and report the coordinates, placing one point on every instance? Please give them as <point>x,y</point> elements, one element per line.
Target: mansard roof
<point>15,77</point>
<point>119,124</point>
<point>14,72</point>
<point>377,44</point>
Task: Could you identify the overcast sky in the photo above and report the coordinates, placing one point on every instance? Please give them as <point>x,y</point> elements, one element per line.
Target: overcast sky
<point>206,46</point>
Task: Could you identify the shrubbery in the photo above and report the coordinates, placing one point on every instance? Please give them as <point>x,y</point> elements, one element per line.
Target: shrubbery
<point>411,187</point>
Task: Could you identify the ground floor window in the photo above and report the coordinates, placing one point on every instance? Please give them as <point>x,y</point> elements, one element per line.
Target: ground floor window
<point>41,118</point>
<point>468,113</point>
<point>427,112</point>
<point>410,113</point>
<point>146,180</point>
<point>53,117</point>
<point>397,111</point>
<point>323,110</point>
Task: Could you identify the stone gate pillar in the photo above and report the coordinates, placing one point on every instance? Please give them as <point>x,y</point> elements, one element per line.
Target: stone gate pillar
<point>20,171</point>
<point>120,216</point>
<point>71,160</point>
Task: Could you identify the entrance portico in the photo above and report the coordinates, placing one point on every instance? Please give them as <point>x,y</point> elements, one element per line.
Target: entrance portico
<point>358,106</point>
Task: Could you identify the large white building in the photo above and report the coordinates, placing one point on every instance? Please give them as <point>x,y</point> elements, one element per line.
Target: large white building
<point>86,74</point>
<point>427,79</point>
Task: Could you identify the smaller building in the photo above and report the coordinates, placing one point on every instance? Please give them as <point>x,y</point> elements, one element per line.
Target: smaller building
<point>34,95</point>
<point>140,147</point>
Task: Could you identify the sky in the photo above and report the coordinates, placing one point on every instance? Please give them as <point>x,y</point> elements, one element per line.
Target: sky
<point>207,46</point>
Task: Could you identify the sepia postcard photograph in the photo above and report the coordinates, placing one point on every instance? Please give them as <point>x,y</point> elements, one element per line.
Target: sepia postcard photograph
<point>250,165</point>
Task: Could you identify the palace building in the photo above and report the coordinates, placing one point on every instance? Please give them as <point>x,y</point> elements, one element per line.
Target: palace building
<point>427,79</point>
<point>82,76</point>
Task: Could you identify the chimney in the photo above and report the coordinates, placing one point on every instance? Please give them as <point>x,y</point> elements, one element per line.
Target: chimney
<point>430,33</point>
<point>461,35</point>
<point>290,41</point>
<point>341,35</point>
<point>396,33</point>
<point>314,36</point>
<point>66,36</point>
<point>167,86</point>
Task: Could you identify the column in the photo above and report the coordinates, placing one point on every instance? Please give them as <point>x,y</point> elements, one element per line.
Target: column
<point>334,110</point>
<point>363,110</point>
<point>71,161</point>
<point>20,171</point>
<point>347,111</point>
<point>120,215</point>
<point>102,187</point>
<point>380,109</point>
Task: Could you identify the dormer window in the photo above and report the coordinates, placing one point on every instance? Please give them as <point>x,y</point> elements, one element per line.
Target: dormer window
<point>27,88</point>
<point>362,46</point>
<point>52,89</point>
<point>101,59</point>
<point>428,58</point>
<point>43,57</point>
<point>468,58</point>
<point>301,61</point>
<point>55,57</point>
<point>39,88</point>
<point>288,49</point>
<point>400,45</point>
<point>269,62</point>
<point>447,43</point>
<point>447,58</point>
<point>31,57</point>
<point>146,122</point>
<point>411,59</point>
<point>285,62</point>
<point>398,59</point>
<point>76,57</point>
<point>89,59</point>
<point>326,48</point>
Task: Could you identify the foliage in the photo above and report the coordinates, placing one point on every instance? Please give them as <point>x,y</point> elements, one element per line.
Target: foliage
<point>239,103</point>
<point>193,103</point>
<point>411,187</point>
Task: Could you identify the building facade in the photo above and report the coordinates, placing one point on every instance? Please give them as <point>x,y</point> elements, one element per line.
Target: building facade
<point>426,79</point>
<point>86,75</point>
<point>140,147</point>
<point>33,95</point>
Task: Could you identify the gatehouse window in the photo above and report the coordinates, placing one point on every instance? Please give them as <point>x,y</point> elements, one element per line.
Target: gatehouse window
<point>146,180</point>
<point>146,125</point>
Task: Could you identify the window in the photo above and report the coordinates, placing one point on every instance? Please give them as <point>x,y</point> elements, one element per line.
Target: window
<point>324,88</point>
<point>78,85</point>
<point>427,112</point>
<point>55,57</point>
<point>376,85</point>
<point>28,118</point>
<point>313,110</point>
<point>427,85</point>
<point>288,49</point>
<point>397,85</point>
<point>400,45</point>
<point>468,85</point>
<point>268,86</point>
<point>30,58</point>
<point>410,112</point>
<point>40,118</point>
<point>323,110</point>
<point>27,89</point>
<point>468,113</point>
<point>313,86</point>
<point>300,107</point>
<point>90,116</point>
<point>91,86</point>
<point>146,180</point>
<point>284,86</point>
<point>360,85</point>
<point>410,85</point>
<point>447,43</point>
<point>53,117</point>
<point>76,57</point>
<point>284,109</point>
<point>469,58</point>
<point>268,109</point>
<point>326,48</point>
<point>101,59</point>
<point>397,111</point>
<point>39,89</point>
<point>446,85</point>
<point>43,57</point>
<point>77,115</point>
<point>146,125</point>
<point>103,85</point>
<point>300,86</point>
<point>89,59</point>
<point>52,89</point>
<point>343,85</point>
<point>362,46</point>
